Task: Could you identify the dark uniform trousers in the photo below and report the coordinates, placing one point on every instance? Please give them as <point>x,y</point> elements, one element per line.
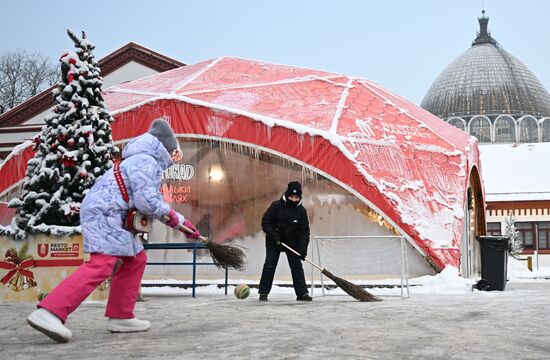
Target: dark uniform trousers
<point>271,260</point>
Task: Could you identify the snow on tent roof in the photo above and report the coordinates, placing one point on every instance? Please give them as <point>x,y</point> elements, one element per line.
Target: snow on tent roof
<point>407,164</point>
<point>403,161</point>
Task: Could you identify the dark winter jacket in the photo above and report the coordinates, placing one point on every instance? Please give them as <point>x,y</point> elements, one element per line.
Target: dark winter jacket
<point>286,223</point>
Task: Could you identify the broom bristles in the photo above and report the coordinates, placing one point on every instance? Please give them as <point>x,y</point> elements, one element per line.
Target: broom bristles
<point>353,290</point>
<point>226,256</point>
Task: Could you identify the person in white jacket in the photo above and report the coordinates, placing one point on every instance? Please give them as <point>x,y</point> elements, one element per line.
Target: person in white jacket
<point>106,239</point>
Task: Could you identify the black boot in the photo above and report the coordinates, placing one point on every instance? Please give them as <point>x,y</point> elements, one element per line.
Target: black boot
<point>263,297</point>
<point>304,297</point>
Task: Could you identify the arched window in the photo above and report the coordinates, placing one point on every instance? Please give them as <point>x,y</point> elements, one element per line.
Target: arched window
<point>480,127</point>
<point>545,125</point>
<point>528,129</point>
<point>458,122</point>
<point>505,129</point>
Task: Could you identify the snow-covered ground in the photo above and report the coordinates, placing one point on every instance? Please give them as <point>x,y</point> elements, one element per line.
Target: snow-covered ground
<point>442,319</point>
<point>446,282</point>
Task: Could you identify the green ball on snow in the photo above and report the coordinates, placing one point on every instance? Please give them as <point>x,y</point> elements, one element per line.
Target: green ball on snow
<point>241,291</point>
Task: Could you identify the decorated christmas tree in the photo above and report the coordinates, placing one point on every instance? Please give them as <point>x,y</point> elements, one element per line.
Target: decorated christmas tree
<point>74,148</point>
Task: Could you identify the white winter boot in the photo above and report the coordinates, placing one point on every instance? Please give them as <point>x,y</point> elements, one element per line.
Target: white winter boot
<point>127,325</point>
<point>50,325</point>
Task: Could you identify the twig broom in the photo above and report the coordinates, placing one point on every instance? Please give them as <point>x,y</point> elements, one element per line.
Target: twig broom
<point>224,256</point>
<point>353,290</point>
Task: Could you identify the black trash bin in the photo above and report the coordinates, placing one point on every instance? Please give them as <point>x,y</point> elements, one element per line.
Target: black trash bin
<point>494,262</point>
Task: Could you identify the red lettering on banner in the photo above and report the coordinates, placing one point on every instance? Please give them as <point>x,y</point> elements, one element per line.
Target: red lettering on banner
<point>175,194</point>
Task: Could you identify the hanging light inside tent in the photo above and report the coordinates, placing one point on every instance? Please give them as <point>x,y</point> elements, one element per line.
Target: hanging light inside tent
<point>216,173</point>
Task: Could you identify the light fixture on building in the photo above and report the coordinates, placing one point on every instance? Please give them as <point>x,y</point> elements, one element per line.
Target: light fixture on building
<point>216,173</point>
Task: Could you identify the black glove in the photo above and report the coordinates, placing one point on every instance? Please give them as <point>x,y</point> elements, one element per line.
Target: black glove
<point>303,256</point>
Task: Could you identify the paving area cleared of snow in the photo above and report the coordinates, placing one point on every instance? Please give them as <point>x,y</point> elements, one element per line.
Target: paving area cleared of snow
<point>442,319</point>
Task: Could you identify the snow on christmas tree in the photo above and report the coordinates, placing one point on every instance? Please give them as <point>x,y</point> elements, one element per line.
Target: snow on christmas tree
<point>516,244</point>
<point>74,148</point>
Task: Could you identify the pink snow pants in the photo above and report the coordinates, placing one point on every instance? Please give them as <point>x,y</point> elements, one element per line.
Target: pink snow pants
<point>71,292</point>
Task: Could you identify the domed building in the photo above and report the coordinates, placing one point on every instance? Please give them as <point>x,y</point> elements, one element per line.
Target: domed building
<point>490,94</point>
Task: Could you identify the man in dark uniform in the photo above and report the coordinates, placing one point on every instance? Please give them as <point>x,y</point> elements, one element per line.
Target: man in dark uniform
<point>286,221</point>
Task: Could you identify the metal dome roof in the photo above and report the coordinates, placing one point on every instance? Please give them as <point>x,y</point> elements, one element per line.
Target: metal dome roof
<point>488,80</point>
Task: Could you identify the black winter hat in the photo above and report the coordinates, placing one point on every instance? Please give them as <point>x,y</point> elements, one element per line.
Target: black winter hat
<point>294,188</point>
<point>163,131</point>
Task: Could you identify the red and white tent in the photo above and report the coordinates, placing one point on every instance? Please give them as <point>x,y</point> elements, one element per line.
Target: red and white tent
<point>407,164</point>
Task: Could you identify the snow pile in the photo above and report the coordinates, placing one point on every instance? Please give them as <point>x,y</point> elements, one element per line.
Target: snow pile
<point>541,272</point>
<point>446,282</point>
<point>170,291</point>
<point>517,269</point>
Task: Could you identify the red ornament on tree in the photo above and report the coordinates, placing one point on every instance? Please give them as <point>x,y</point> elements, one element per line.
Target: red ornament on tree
<point>35,142</point>
<point>70,142</point>
<point>68,161</point>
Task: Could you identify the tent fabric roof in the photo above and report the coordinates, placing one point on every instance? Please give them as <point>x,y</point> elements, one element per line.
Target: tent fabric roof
<point>6,214</point>
<point>413,167</point>
<point>404,162</point>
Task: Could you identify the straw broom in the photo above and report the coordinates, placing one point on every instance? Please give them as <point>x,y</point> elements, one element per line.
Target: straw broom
<point>224,256</point>
<point>353,290</point>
